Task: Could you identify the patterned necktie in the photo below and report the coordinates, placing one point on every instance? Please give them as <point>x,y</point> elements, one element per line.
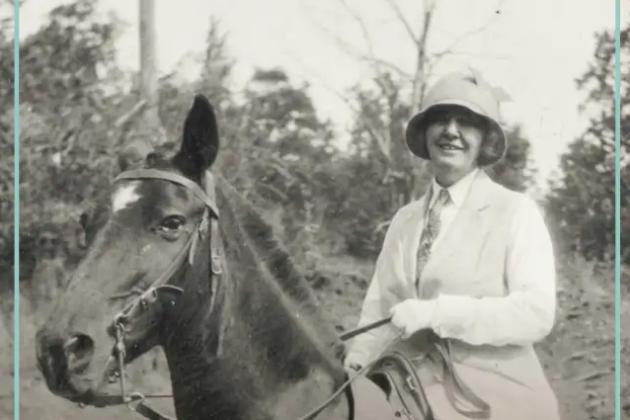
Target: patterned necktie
<point>430,231</point>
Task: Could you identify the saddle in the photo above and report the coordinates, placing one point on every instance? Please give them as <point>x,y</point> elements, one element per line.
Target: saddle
<point>396,376</point>
<point>398,382</point>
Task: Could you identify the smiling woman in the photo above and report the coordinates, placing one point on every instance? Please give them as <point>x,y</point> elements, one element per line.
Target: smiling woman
<point>468,268</point>
<point>454,136</point>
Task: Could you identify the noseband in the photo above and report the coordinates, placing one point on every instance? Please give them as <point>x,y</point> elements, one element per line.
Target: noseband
<point>141,306</point>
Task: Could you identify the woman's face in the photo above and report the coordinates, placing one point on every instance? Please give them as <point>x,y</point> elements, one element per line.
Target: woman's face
<point>454,136</point>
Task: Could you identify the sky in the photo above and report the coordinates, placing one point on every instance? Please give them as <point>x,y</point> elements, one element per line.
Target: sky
<point>534,50</point>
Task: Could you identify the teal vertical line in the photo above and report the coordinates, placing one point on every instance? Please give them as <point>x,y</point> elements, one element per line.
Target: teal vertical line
<point>16,210</point>
<point>617,210</point>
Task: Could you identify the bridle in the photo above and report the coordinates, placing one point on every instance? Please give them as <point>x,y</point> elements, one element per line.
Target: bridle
<point>146,299</point>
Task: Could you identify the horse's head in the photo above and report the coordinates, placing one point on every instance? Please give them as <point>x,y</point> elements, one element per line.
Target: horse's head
<point>132,274</point>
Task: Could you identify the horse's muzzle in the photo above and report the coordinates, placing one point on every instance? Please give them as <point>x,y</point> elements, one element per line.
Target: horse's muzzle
<point>63,360</point>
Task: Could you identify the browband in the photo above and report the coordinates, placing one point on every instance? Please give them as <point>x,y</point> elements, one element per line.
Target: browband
<point>177,179</point>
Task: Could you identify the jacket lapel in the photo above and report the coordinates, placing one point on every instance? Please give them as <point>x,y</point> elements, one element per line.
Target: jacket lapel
<point>413,230</point>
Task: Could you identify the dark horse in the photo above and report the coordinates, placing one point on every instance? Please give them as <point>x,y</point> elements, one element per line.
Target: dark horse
<point>244,338</point>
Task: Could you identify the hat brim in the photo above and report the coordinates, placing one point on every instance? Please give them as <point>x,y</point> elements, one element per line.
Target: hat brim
<point>415,134</point>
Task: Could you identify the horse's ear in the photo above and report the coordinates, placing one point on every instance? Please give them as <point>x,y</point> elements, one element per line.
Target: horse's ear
<point>200,142</point>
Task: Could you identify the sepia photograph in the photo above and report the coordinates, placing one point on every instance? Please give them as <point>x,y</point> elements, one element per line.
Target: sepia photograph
<point>313,209</point>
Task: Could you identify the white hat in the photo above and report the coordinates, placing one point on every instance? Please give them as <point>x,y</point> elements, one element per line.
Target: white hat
<point>469,91</point>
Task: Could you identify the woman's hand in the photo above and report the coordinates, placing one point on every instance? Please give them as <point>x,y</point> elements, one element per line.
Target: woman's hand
<point>412,315</point>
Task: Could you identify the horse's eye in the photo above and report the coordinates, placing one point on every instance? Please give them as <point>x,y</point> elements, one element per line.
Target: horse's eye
<point>172,223</point>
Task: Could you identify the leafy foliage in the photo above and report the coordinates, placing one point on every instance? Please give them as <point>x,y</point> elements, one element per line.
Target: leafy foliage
<point>515,170</point>
<point>581,200</point>
<point>66,74</point>
<point>6,133</point>
<point>276,152</point>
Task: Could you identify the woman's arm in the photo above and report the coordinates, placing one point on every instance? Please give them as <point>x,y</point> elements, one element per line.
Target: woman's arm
<point>527,313</point>
<point>383,292</point>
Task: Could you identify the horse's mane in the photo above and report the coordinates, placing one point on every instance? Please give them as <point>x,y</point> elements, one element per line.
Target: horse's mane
<point>280,265</point>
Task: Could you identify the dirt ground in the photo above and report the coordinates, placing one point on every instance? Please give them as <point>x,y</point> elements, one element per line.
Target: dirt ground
<point>578,356</point>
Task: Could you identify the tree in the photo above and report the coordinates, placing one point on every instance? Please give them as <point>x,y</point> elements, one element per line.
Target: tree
<point>277,152</point>
<point>68,94</point>
<point>6,139</point>
<point>217,66</point>
<point>381,173</point>
<point>515,170</point>
<point>66,68</point>
<point>581,199</point>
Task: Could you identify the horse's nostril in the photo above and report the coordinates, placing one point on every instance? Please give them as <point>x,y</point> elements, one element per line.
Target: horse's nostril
<point>70,345</point>
<point>79,350</point>
<point>52,360</point>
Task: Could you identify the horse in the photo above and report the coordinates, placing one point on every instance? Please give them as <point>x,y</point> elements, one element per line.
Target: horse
<point>187,263</point>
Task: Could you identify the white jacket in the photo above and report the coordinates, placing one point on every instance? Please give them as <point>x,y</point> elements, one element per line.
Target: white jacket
<point>492,276</point>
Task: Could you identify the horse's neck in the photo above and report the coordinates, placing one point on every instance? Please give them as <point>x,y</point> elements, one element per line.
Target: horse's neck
<point>253,374</point>
<point>251,358</point>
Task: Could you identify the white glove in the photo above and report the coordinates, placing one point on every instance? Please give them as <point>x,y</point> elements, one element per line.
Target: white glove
<point>352,362</point>
<point>412,315</point>
<point>352,366</point>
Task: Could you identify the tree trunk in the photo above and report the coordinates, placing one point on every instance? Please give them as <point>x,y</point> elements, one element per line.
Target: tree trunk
<point>419,80</point>
<point>150,125</point>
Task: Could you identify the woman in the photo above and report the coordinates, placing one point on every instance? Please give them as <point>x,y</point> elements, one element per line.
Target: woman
<point>469,265</point>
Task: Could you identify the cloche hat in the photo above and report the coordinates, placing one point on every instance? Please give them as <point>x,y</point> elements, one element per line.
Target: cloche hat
<point>466,90</point>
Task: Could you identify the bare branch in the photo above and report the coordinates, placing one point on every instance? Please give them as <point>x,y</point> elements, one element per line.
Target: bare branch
<point>341,43</point>
<point>419,83</point>
<point>125,118</point>
<point>403,20</point>
<point>437,58</point>
<point>428,69</point>
<point>470,33</point>
<point>390,66</point>
<point>369,58</point>
<point>364,30</point>
<point>369,127</point>
<point>383,142</point>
